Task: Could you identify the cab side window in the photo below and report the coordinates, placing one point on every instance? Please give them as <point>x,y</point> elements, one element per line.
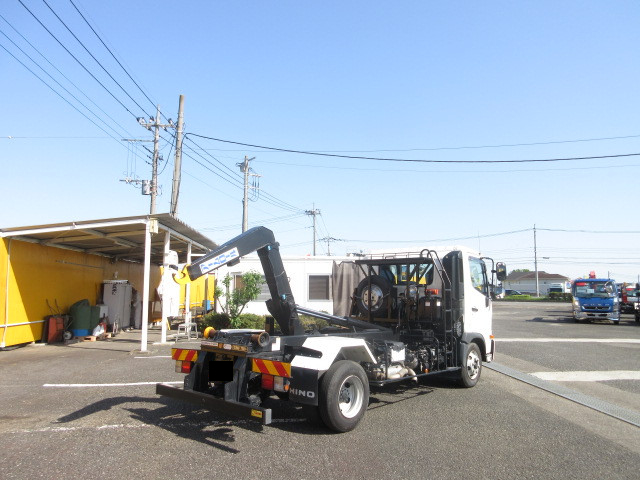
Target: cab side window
<point>478,275</point>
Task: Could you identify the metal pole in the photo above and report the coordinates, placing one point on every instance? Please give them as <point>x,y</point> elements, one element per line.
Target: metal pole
<point>145,286</point>
<point>165,288</point>
<point>154,175</point>
<point>177,166</point>
<point>314,234</point>
<point>535,260</point>
<point>245,199</point>
<point>313,213</point>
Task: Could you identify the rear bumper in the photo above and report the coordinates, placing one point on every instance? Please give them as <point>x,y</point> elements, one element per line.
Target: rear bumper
<point>244,410</point>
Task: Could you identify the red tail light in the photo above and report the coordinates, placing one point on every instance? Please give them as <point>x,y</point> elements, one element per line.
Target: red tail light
<point>267,381</point>
<point>182,366</point>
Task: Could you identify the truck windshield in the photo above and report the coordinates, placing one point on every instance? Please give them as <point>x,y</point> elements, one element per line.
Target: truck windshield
<point>594,289</point>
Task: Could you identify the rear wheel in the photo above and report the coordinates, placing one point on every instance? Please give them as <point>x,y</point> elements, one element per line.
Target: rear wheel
<point>472,367</point>
<point>344,396</point>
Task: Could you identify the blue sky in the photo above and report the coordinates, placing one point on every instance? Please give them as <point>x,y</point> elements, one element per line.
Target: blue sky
<point>447,81</point>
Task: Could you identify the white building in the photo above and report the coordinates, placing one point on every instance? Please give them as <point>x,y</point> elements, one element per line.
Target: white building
<point>525,282</point>
<point>309,277</point>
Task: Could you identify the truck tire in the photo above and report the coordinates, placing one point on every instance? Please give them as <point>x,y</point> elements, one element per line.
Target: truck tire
<point>343,396</point>
<point>472,366</point>
<point>380,294</point>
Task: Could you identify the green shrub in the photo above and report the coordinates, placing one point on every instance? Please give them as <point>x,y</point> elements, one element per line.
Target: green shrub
<point>309,323</point>
<point>253,321</point>
<point>250,320</point>
<point>215,320</point>
<point>560,297</point>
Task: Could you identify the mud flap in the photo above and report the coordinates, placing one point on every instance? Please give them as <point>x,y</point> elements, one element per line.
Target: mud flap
<point>304,386</point>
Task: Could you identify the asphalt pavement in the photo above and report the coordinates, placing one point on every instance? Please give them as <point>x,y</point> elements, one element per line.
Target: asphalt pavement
<point>90,409</point>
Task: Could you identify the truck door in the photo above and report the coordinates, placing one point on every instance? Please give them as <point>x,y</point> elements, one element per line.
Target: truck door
<point>478,308</point>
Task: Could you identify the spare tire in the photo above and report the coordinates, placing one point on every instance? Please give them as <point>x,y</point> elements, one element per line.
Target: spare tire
<point>380,296</point>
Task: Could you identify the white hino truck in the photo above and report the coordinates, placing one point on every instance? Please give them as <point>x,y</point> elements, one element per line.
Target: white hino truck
<point>411,315</point>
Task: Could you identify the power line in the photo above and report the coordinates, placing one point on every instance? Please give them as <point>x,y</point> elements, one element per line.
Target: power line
<point>433,149</point>
<point>471,237</point>
<point>78,61</point>
<point>589,231</point>
<point>234,177</point>
<point>92,56</point>
<point>60,85</point>
<point>360,169</point>
<point>56,92</point>
<point>62,74</point>
<point>112,54</point>
<point>410,160</point>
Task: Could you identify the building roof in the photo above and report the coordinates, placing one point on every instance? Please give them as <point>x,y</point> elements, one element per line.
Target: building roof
<point>120,238</point>
<point>519,276</point>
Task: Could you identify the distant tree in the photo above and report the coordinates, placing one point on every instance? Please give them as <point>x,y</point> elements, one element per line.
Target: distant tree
<point>520,270</point>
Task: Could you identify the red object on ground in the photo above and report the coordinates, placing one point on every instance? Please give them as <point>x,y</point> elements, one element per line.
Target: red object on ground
<point>55,330</point>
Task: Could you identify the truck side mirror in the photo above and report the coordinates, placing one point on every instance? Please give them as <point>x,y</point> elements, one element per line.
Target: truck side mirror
<point>501,271</point>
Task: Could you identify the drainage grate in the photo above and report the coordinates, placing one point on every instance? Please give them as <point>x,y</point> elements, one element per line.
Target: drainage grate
<point>607,408</point>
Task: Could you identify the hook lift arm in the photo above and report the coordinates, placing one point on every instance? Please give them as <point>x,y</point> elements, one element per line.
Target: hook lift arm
<point>281,305</point>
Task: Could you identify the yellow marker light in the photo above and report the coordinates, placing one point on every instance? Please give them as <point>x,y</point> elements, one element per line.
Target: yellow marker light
<point>256,413</point>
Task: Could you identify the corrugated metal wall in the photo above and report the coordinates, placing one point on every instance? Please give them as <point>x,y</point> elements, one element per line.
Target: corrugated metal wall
<point>32,274</point>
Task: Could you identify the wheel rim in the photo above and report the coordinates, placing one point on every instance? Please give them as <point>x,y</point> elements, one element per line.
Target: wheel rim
<point>351,396</point>
<point>376,297</point>
<point>473,364</point>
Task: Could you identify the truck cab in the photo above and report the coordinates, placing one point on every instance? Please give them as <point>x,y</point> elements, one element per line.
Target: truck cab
<point>594,299</point>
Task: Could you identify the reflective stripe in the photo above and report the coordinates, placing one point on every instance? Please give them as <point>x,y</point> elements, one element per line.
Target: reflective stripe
<point>279,369</point>
<point>184,355</point>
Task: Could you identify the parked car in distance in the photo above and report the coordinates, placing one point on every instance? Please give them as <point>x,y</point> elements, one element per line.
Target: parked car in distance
<point>508,292</point>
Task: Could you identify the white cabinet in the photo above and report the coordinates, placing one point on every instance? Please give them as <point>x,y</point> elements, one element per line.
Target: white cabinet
<point>116,294</point>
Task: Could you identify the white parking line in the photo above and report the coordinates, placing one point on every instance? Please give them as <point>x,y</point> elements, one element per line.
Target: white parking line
<point>588,376</point>
<point>570,340</point>
<point>84,385</point>
<point>156,356</point>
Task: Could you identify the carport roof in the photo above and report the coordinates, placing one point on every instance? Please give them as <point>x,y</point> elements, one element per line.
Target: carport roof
<point>119,238</point>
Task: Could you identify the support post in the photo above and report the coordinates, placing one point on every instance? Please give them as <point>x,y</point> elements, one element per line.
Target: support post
<point>145,286</point>
<point>165,307</point>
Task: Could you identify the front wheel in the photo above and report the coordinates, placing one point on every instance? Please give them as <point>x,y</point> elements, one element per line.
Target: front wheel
<point>344,396</point>
<point>472,367</point>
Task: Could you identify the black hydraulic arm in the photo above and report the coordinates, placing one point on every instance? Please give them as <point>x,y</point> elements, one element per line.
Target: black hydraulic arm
<point>281,305</point>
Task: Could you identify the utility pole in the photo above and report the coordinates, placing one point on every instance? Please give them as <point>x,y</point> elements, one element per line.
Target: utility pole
<point>154,122</point>
<point>175,190</point>
<point>535,260</point>
<point>313,212</point>
<point>329,240</point>
<point>245,169</point>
